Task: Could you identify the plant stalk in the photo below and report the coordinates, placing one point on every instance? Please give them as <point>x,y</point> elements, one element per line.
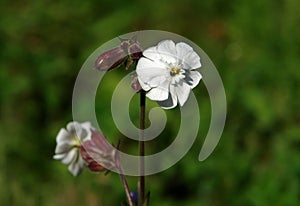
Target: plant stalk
<point>141,185</point>
<point>124,182</point>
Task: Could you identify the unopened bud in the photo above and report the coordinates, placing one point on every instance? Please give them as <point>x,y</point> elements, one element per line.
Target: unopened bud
<point>128,52</point>
<point>99,154</point>
<point>111,59</point>
<point>135,85</point>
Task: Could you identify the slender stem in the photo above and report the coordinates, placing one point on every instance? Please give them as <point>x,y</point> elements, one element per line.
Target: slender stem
<point>141,186</point>
<point>148,199</point>
<point>126,189</point>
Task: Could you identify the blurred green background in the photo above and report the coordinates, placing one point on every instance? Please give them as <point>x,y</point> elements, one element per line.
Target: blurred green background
<point>254,44</point>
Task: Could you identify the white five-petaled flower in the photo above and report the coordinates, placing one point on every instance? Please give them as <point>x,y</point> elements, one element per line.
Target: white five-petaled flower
<point>68,145</point>
<point>168,72</point>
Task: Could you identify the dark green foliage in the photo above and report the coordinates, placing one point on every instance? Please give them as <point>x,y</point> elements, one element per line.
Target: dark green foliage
<point>254,44</point>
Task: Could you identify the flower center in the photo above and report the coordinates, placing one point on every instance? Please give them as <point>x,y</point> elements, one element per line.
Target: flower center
<point>174,71</point>
<point>76,141</point>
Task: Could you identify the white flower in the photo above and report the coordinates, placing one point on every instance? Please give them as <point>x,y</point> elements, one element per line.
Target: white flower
<point>68,145</point>
<point>168,72</point>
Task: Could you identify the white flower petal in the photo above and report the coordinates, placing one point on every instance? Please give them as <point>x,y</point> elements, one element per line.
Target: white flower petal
<point>167,46</point>
<point>70,156</point>
<point>74,169</point>
<point>78,131</point>
<point>159,81</point>
<point>192,60</point>
<point>71,126</point>
<point>59,156</point>
<point>171,102</point>
<point>63,136</point>
<point>194,79</point>
<point>158,94</point>
<point>183,50</point>
<point>63,147</point>
<point>147,69</point>
<point>167,50</point>
<point>150,73</point>
<point>81,131</point>
<point>87,125</point>
<point>161,91</point>
<point>145,86</point>
<point>151,53</point>
<point>168,104</point>
<point>182,92</point>
<point>76,166</point>
<point>87,131</point>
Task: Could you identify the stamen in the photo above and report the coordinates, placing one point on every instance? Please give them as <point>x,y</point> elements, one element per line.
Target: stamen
<point>174,71</point>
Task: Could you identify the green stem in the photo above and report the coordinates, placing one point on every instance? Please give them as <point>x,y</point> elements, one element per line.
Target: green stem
<point>141,185</point>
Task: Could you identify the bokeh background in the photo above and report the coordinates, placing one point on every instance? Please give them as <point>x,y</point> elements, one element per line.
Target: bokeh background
<point>254,44</point>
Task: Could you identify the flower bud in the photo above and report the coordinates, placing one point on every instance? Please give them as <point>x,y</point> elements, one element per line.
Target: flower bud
<point>111,59</point>
<point>95,166</point>
<point>99,154</point>
<point>134,196</point>
<point>128,52</point>
<point>135,84</point>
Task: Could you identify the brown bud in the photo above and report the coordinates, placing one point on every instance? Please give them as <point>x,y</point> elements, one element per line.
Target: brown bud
<point>95,167</point>
<point>128,52</point>
<point>99,154</point>
<point>135,85</point>
<point>111,59</point>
